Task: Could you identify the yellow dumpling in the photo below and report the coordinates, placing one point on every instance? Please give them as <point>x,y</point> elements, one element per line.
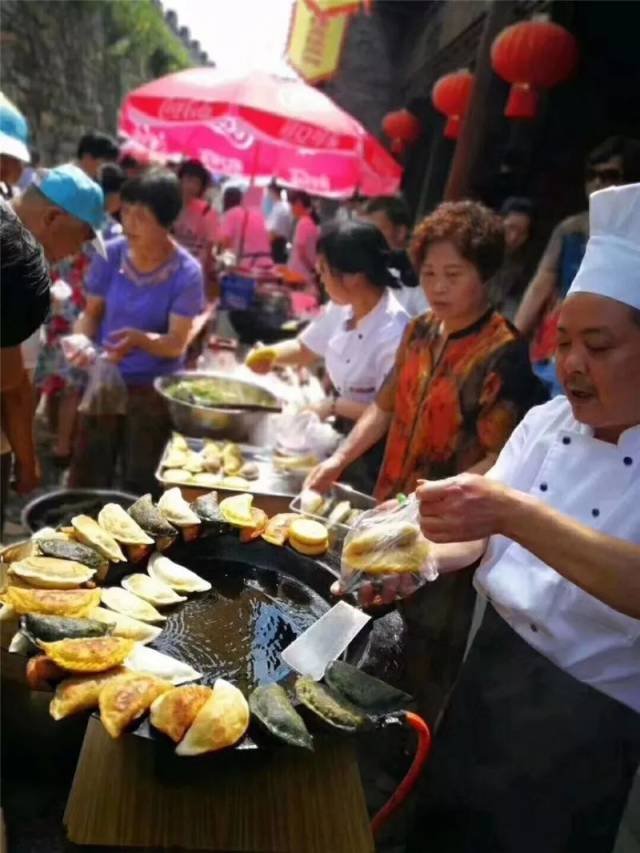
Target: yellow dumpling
<point>90,654</point>
<point>51,572</point>
<point>174,711</point>
<point>51,602</point>
<point>74,695</point>
<point>392,561</point>
<point>237,510</point>
<point>221,722</point>
<point>126,698</point>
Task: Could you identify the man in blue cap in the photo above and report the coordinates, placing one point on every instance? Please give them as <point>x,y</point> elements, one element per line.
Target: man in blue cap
<point>61,212</point>
<point>63,209</point>
<point>14,151</point>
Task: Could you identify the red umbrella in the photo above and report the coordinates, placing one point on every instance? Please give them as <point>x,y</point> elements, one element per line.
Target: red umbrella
<point>260,126</point>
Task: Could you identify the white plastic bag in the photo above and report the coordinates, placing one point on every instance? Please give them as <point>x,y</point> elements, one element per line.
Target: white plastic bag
<point>304,434</point>
<point>106,393</point>
<point>386,543</point>
<point>78,349</point>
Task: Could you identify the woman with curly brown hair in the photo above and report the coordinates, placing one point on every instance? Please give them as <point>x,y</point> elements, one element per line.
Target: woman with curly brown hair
<point>461,383</point>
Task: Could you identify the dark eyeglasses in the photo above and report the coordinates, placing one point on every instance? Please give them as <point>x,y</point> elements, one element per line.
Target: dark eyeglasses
<point>605,176</point>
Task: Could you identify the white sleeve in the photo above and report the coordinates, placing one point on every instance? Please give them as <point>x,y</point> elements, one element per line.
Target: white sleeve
<point>317,335</point>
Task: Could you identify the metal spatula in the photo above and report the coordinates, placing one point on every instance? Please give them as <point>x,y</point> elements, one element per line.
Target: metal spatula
<point>325,640</point>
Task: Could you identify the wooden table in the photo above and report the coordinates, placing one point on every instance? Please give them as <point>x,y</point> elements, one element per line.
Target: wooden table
<point>286,801</point>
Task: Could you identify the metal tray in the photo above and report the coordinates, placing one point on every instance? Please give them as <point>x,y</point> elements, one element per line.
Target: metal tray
<point>270,482</point>
<point>338,492</point>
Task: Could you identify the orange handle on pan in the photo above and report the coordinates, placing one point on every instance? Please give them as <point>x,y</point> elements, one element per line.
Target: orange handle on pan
<point>408,783</point>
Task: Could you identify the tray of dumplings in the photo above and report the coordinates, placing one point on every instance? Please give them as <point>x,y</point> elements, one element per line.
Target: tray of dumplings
<point>129,616</point>
<point>205,464</point>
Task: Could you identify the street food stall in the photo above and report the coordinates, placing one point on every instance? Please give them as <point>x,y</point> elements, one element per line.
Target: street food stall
<point>166,626</point>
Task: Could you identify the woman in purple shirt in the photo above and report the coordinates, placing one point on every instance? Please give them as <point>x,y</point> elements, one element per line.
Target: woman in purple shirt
<point>141,302</point>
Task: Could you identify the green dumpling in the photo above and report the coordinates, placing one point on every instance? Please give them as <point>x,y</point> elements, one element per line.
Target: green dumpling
<point>273,708</point>
<point>363,690</point>
<point>328,706</point>
<point>52,628</point>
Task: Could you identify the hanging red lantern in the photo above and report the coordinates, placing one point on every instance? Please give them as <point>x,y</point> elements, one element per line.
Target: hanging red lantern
<point>532,55</point>
<point>450,95</point>
<point>402,128</point>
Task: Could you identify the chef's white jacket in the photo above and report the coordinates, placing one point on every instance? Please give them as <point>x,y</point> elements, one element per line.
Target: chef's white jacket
<point>358,359</point>
<point>555,458</point>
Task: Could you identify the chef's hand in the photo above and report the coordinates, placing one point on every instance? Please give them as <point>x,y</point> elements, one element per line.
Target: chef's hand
<point>324,475</point>
<point>122,341</point>
<point>462,508</point>
<point>378,593</point>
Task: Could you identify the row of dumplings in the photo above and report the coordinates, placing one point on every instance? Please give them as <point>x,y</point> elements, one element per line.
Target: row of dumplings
<point>197,718</point>
<point>217,464</point>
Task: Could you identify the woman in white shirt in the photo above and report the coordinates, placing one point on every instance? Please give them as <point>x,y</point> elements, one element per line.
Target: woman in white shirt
<point>359,332</point>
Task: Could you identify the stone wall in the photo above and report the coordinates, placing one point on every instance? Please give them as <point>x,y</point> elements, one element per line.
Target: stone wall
<point>68,64</point>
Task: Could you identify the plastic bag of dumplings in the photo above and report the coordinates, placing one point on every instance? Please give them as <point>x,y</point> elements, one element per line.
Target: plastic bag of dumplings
<point>106,393</point>
<point>386,542</point>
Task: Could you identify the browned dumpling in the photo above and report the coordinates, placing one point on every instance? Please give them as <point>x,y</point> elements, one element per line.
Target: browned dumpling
<point>174,712</point>
<point>74,695</point>
<point>126,698</point>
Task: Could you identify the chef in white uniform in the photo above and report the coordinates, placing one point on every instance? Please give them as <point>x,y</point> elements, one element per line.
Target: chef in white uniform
<point>537,750</point>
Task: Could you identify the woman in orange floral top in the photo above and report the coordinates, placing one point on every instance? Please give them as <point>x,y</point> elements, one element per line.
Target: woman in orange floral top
<point>461,383</point>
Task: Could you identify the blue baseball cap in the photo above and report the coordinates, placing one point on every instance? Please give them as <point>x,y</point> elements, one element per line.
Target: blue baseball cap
<point>14,131</point>
<point>71,189</point>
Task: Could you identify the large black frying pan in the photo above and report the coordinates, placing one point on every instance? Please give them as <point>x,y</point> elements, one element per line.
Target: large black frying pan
<point>262,598</point>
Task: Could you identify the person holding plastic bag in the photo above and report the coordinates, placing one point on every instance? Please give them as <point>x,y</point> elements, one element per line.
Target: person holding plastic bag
<point>540,742</point>
<point>141,302</point>
<point>461,383</point>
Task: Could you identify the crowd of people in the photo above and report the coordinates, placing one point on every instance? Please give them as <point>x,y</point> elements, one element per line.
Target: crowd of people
<point>501,389</point>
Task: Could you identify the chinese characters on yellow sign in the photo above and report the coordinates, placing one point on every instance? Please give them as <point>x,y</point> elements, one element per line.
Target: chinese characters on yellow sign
<point>316,37</point>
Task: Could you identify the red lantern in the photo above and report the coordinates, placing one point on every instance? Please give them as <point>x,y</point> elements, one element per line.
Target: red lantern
<point>450,96</point>
<point>402,128</point>
<point>532,55</point>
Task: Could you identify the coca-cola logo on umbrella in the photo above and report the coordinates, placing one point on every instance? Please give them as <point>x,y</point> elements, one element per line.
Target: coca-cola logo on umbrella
<point>177,109</point>
<point>234,132</point>
<point>302,180</point>
<point>308,136</point>
<point>219,164</point>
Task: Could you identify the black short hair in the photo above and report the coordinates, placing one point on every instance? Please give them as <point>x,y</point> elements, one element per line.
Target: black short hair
<point>231,197</point>
<point>626,148</point>
<point>98,145</point>
<point>300,196</point>
<point>517,204</point>
<point>394,208</point>
<point>25,280</point>
<point>358,247</point>
<point>112,177</point>
<point>159,190</point>
<point>195,169</point>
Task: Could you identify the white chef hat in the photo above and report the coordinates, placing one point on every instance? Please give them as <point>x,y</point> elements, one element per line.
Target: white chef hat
<point>611,263</point>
